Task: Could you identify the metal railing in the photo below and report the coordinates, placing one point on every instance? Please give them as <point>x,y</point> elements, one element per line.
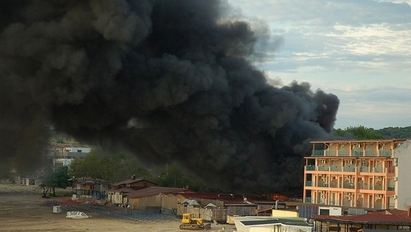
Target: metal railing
<point>378,169</point>
<point>348,185</point>
<point>317,153</point>
<point>349,169</point>
<point>323,168</point>
<point>357,153</point>
<point>310,167</point>
<point>385,153</point>
<point>343,153</point>
<point>335,168</point>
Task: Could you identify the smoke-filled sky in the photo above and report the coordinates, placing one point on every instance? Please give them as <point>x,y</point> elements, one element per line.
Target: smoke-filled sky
<point>359,50</point>
<point>171,80</point>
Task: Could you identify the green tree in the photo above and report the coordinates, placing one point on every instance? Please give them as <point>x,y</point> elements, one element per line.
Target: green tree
<point>56,179</point>
<point>114,167</point>
<point>359,132</point>
<point>174,176</point>
<point>396,132</point>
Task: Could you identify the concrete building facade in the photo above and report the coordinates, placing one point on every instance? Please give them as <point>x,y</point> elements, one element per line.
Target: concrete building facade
<point>372,174</point>
<point>56,155</point>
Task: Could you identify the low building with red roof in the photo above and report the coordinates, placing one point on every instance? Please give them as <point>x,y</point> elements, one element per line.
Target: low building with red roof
<point>155,197</point>
<point>135,183</point>
<point>390,219</point>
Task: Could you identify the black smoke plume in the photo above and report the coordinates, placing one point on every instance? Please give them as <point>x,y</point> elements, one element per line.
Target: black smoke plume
<point>171,80</point>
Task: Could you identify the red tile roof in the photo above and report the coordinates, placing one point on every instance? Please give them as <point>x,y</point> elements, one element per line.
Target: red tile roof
<point>385,217</point>
<point>130,181</point>
<point>122,190</point>
<point>155,190</point>
<point>228,199</point>
<point>214,196</point>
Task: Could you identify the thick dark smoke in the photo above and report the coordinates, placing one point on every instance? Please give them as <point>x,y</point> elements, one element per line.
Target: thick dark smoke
<point>170,80</point>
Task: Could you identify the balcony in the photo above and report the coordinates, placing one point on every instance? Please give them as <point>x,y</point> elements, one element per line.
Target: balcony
<point>370,153</point>
<point>385,153</point>
<point>360,204</point>
<point>378,187</point>
<point>349,169</point>
<point>378,169</point>
<point>323,168</point>
<point>310,168</point>
<point>356,153</point>
<point>343,153</point>
<point>349,185</point>
<point>317,153</point>
<point>335,168</point>
<point>323,185</point>
<point>378,205</point>
<point>335,185</point>
<point>364,169</point>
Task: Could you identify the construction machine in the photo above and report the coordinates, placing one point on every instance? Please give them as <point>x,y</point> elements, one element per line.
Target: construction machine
<point>190,223</point>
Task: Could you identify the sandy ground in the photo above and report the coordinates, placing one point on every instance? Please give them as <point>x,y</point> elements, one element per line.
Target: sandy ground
<point>23,209</point>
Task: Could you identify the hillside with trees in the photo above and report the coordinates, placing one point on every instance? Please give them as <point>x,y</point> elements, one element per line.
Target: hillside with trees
<point>396,132</point>
<point>361,132</point>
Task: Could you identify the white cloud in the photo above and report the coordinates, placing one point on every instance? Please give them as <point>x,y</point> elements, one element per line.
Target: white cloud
<point>374,39</point>
<point>358,50</point>
<point>398,1</point>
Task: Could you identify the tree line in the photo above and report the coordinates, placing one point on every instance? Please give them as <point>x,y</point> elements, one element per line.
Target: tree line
<point>117,167</point>
<point>361,132</point>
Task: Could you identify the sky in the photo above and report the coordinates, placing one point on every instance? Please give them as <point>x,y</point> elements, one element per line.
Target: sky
<point>359,50</point>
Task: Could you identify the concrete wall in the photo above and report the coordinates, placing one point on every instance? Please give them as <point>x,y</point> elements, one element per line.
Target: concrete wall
<point>143,203</point>
<point>284,213</point>
<point>403,153</point>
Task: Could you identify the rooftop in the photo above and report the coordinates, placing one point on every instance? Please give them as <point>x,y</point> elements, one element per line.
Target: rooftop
<point>380,217</point>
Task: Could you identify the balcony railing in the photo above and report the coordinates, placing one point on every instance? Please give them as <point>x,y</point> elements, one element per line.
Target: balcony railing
<point>364,169</point>
<point>308,183</point>
<point>308,200</point>
<point>378,205</point>
<point>310,167</point>
<point>342,153</point>
<point>322,184</point>
<point>334,185</point>
<point>317,153</point>
<point>356,153</point>
<point>391,188</point>
<point>323,168</point>
<point>370,153</point>
<point>335,168</point>
<point>378,169</point>
<point>349,186</point>
<point>378,187</point>
<point>385,153</point>
<point>349,169</point>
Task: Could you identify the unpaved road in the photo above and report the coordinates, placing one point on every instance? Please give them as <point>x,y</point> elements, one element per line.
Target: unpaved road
<point>23,209</point>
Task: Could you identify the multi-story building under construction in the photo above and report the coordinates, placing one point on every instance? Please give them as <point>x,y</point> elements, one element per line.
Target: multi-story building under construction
<point>359,174</point>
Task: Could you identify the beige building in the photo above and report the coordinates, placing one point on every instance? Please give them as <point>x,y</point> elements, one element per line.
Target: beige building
<point>359,173</point>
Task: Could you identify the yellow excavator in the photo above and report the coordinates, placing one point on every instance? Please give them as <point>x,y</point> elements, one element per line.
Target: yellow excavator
<point>190,223</point>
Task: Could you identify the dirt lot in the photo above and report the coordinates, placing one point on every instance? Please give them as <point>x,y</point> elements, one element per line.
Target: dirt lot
<point>23,209</point>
